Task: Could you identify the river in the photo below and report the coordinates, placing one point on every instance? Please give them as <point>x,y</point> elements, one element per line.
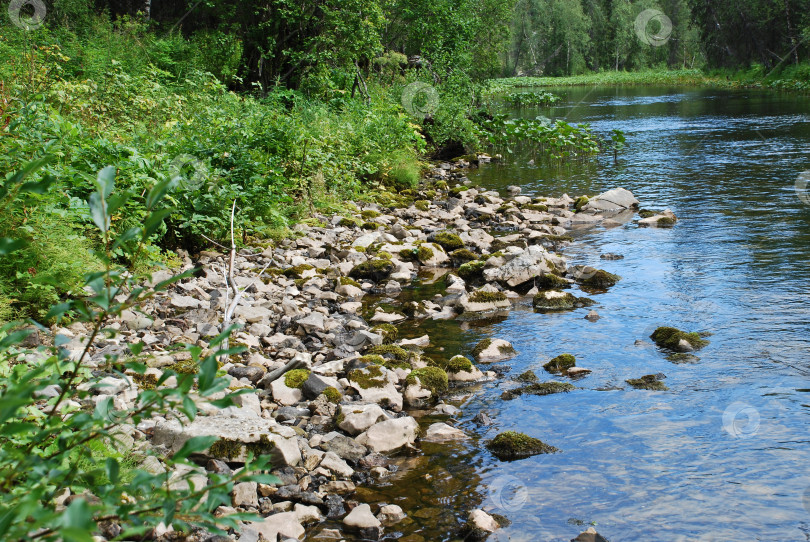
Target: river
<point>724,454</point>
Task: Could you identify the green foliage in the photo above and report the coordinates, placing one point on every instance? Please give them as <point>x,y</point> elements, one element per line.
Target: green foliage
<point>48,445</point>
<point>295,378</point>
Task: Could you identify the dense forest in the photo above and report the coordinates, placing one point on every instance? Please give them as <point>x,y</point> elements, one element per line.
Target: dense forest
<point>136,132</point>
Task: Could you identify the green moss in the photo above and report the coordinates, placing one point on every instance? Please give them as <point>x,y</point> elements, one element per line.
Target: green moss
<point>463,255</point>
<point>346,281</point>
<point>375,270</point>
<point>412,308</point>
<point>430,378</point>
<point>186,367</point>
<point>440,185</point>
<point>145,381</point>
<point>368,377</point>
<point>538,388</point>
<point>487,297</point>
<point>601,279</point>
<point>646,213</point>
<point>513,445</point>
<point>231,449</point>
<point>422,204</point>
<point>297,270</point>
<point>448,240</point>
<point>648,382</point>
<point>371,226</point>
<point>389,332</point>
<point>527,376</point>
<point>481,199</point>
<point>558,238</point>
<point>561,363</point>
<point>682,357</point>
<point>385,255</point>
<point>424,253</point>
<point>296,378</point>
<point>368,214</point>
<point>456,364</point>
<point>665,222</point>
<point>471,270</point>
<point>430,194</point>
<point>550,281</point>
<point>373,358</point>
<point>457,190</point>
<point>580,203</point>
<point>481,346</point>
<point>390,351</point>
<point>349,222</point>
<point>536,207</point>
<point>670,338</point>
<point>566,301</point>
<point>332,395</point>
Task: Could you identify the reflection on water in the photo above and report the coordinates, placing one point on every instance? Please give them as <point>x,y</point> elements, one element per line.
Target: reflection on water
<point>723,455</point>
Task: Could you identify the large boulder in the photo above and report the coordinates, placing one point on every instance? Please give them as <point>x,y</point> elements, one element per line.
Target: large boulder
<point>614,200</point>
<point>239,431</point>
<point>361,520</point>
<point>357,419</point>
<point>531,262</point>
<point>390,435</point>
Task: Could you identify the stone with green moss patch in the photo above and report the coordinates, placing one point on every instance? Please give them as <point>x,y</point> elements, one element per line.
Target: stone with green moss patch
<point>368,214</point>
<point>332,395</point>
<point>581,202</point>
<point>463,255</point>
<point>536,207</point>
<point>487,297</point>
<point>422,204</point>
<point>472,270</point>
<point>511,445</point>
<point>371,226</point>
<point>456,364</point>
<point>648,382</point>
<point>550,281</point>
<point>601,279</point>
<point>665,222</point>
<point>375,270</point>
<point>297,270</point>
<point>440,185</point>
<point>368,377</point>
<point>431,378</point>
<point>448,240</point>
<point>145,381</point>
<point>538,388</point>
<point>424,253</point>
<point>670,338</point>
<point>185,367</point>
<point>646,213</point>
<point>295,378</point>
<point>682,357</point>
<point>346,281</point>
<point>561,363</point>
<point>388,331</point>
<point>233,449</point>
<point>389,351</point>
<point>553,300</point>
<point>347,222</point>
<point>527,376</point>
<point>481,346</point>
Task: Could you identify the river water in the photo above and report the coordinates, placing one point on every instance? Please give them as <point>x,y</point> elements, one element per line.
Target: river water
<point>725,453</point>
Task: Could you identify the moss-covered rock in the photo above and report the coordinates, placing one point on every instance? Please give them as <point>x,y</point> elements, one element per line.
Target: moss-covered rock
<point>388,331</point>
<point>471,271</point>
<point>527,376</point>
<point>511,445</point>
<point>648,382</point>
<point>456,364</point>
<point>376,270</point>
<point>536,207</point>
<point>550,281</point>
<point>538,388</point>
<point>600,279</point>
<point>296,378</point>
<point>370,225</point>
<point>480,296</point>
<point>424,253</point>
<point>646,213</point>
<point>481,346</point>
<point>670,338</point>
<point>665,222</point>
<point>346,281</point>
<point>297,270</point>
<point>422,204</point>
<point>561,363</point>
<point>682,357</point>
<point>333,395</point>
<point>389,351</point>
<point>368,214</point>
<point>368,377</point>
<point>463,255</point>
<point>371,358</point>
<point>440,185</point>
<point>553,300</point>
<point>431,378</point>
<point>457,190</point>
<point>448,240</point>
<point>580,202</point>
<point>349,222</point>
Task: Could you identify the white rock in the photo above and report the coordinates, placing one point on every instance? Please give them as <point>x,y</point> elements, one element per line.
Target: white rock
<point>481,520</point>
<point>497,350</point>
<point>245,494</point>
<point>530,263</point>
<point>307,514</point>
<point>332,462</point>
<point>184,302</point>
<point>285,395</point>
<point>441,431</point>
<point>359,418</point>
<point>616,199</point>
<point>390,514</point>
<point>361,518</point>
<point>390,435</point>
<point>285,524</point>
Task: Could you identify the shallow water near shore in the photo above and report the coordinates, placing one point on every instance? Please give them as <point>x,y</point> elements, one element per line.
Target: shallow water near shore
<point>722,455</point>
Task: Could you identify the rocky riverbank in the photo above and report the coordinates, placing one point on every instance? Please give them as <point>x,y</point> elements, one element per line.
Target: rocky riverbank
<point>334,388</point>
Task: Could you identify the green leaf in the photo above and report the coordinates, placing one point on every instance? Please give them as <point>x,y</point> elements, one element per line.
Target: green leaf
<point>136,348</point>
<point>157,192</point>
<point>154,220</point>
<point>38,187</point>
<point>58,310</point>
<point>113,470</point>
<point>78,516</point>
<point>115,202</point>
<point>9,245</point>
<point>105,181</point>
<point>194,445</point>
<point>98,212</point>
<point>129,235</point>
<point>30,168</point>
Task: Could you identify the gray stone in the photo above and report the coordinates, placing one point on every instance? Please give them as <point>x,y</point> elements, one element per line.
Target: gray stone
<point>532,262</point>
<point>345,447</point>
<point>314,386</point>
<point>616,199</point>
<point>390,435</point>
<point>245,494</point>
<point>357,419</point>
<point>361,520</point>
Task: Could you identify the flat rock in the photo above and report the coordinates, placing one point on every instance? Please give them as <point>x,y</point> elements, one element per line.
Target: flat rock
<point>532,262</point>
<point>357,419</point>
<point>615,199</point>
<point>283,525</point>
<point>479,519</point>
<point>441,431</point>
<point>390,435</point>
<point>361,520</point>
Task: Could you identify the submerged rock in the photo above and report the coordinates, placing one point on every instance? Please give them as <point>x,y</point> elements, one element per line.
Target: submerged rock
<point>560,364</point>
<point>511,445</point>
<point>677,340</point>
<point>666,219</point>
<point>538,388</point>
<point>554,300</point>
<point>590,536</point>
<point>648,382</point>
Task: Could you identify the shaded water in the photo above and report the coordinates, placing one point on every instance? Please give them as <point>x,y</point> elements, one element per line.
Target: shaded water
<point>724,454</point>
